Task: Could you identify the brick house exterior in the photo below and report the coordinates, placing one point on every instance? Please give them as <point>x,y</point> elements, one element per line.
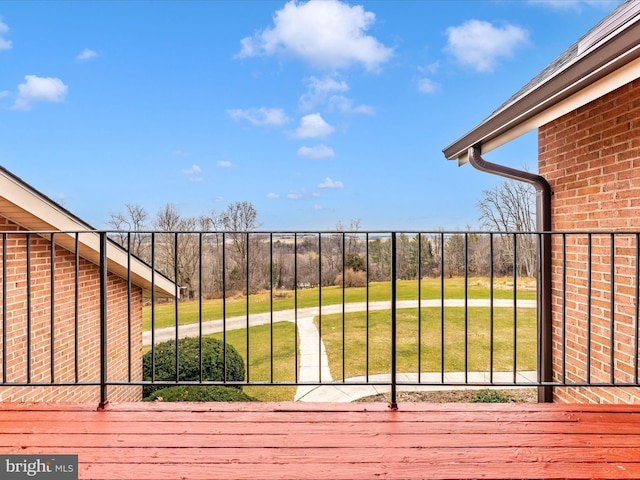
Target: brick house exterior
<point>71,302</point>
<point>586,108</point>
<point>591,159</point>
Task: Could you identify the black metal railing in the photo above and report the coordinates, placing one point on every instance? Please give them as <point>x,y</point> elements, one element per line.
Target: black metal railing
<point>307,309</point>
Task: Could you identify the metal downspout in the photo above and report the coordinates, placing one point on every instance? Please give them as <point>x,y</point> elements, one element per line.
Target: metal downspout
<point>543,224</point>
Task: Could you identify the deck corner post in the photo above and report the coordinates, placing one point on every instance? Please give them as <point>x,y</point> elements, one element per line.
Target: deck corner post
<point>545,392</point>
<point>394,400</point>
<point>103,321</point>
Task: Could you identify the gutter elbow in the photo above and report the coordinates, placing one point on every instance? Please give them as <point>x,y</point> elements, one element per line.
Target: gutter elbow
<point>543,189</point>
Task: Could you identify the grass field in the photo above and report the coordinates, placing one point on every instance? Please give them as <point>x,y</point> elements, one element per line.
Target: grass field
<point>164,315</point>
<point>271,355</point>
<point>269,351</point>
<point>261,365</point>
<point>434,355</point>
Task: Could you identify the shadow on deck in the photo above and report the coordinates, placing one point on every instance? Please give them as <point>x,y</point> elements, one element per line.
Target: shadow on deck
<point>330,441</point>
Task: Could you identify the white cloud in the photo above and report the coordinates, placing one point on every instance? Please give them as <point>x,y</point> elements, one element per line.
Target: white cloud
<point>317,207</point>
<point>4,43</point>
<point>479,44</point>
<point>426,85</point>
<point>274,196</point>
<point>329,183</point>
<point>326,34</point>
<point>431,69</point>
<point>218,199</point>
<point>345,105</point>
<point>320,90</point>
<point>39,89</point>
<point>294,195</point>
<point>4,93</point>
<point>317,152</point>
<point>313,126</point>
<point>224,164</point>
<point>86,54</point>
<point>193,170</point>
<point>269,117</point>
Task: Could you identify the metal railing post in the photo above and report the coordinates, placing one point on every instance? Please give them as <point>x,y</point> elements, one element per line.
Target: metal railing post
<point>103,321</point>
<point>394,400</point>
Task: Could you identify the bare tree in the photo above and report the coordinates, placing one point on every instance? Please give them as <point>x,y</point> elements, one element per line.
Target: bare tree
<point>179,249</point>
<point>238,220</point>
<point>129,227</point>
<point>510,208</point>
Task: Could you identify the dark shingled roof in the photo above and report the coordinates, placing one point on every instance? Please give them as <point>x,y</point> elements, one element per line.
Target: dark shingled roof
<point>612,43</point>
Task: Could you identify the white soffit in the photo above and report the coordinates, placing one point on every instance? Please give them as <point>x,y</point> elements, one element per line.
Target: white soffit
<point>24,207</point>
<point>608,84</point>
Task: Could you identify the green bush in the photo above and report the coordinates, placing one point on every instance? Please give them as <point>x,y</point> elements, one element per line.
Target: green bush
<point>490,396</point>
<point>189,362</point>
<point>200,393</point>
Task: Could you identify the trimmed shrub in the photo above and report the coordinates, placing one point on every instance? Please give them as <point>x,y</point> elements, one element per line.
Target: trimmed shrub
<point>351,279</point>
<point>189,362</point>
<point>199,393</point>
<point>490,396</point>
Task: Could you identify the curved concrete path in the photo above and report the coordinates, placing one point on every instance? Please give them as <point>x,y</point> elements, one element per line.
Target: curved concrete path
<point>314,364</point>
<point>234,323</point>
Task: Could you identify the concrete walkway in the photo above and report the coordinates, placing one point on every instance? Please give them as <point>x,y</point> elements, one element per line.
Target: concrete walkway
<point>314,364</point>
<point>234,323</point>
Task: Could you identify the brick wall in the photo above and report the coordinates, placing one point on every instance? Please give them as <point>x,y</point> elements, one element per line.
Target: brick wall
<point>70,364</point>
<point>591,158</point>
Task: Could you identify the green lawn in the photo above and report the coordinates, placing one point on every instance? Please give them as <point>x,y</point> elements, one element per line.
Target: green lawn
<point>189,312</point>
<point>280,338</point>
<point>260,367</point>
<point>478,348</point>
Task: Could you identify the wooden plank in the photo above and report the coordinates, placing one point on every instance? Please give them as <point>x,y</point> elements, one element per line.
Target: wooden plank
<point>326,417</point>
<point>382,454</point>
<point>240,440</point>
<point>347,470</point>
<point>316,427</point>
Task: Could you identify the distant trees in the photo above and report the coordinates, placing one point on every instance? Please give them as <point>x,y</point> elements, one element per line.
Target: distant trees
<point>188,249</point>
<point>509,207</point>
<point>238,220</point>
<point>223,252</point>
<point>129,226</point>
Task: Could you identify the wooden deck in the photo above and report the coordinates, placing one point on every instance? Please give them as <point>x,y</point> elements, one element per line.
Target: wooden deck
<point>163,441</point>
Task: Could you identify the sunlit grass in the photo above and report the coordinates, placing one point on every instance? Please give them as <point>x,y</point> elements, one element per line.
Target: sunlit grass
<point>259,368</point>
<point>272,348</point>
<point>432,359</point>
<point>270,353</point>
<point>261,365</point>
<point>164,314</point>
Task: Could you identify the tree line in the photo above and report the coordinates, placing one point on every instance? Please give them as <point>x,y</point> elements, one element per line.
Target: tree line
<point>224,252</point>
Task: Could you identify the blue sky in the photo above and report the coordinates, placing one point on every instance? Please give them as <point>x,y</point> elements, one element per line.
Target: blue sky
<point>316,113</point>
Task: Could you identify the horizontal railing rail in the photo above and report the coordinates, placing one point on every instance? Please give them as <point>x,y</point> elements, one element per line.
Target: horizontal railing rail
<point>306,309</point>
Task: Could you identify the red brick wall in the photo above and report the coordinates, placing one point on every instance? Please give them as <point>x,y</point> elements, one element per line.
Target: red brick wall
<point>591,158</point>
<point>64,326</point>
